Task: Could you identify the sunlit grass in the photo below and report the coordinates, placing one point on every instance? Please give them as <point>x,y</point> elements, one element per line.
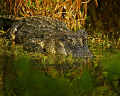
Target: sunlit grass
<point>72,12</point>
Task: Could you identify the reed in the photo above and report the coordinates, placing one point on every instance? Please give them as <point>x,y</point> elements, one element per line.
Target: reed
<point>72,12</point>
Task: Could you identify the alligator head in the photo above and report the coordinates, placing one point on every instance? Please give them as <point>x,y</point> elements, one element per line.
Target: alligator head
<point>76,44</point>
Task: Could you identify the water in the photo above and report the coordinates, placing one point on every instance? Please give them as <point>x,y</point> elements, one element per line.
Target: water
<point>33,74</point>
<point>20,76</point>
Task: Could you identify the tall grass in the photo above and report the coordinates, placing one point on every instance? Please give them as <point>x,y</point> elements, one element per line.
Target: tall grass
<point>72,12</point>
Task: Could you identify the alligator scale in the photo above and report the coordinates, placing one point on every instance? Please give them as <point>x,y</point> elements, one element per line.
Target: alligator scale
<point>49,35</point>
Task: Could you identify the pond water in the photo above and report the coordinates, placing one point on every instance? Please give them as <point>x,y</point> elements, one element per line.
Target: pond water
<point>30,74</point>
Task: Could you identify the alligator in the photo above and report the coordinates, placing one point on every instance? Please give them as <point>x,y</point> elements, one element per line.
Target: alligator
<point>48,35</point>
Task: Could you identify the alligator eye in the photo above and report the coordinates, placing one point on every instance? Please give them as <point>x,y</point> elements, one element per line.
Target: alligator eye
<point>70,39</point>
<point>85,39</point>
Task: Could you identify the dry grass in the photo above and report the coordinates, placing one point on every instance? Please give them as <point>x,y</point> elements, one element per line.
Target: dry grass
<point>72,12</point>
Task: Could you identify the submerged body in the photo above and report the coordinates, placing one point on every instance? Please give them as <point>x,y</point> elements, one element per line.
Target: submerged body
<point>49,35</point>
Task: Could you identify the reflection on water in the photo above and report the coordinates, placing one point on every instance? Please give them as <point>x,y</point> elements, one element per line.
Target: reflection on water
<point>21,77</point>
<point>24,76</point>
<point>27,81</point>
